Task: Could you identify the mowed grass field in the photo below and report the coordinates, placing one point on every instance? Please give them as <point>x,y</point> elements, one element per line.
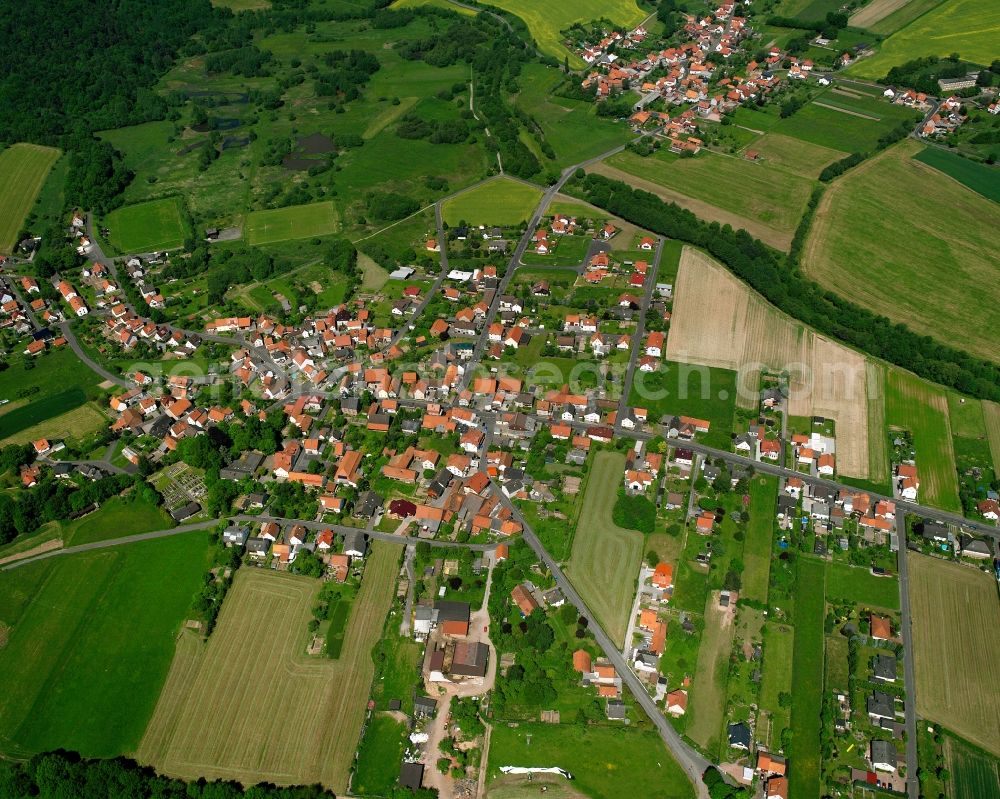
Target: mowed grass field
<point>763,199</point>
<point>888,16</point>
<point>90,638</point>
<point>807,677</point>
<point>991,418</point>
<point>970,28</point>
<point>708,694</point>
<point>604,562</point>
<point>974,774</point>
<point>857,240</point>
<point>147,227</point>
<point>922,408</point>
<point>859,585</point>
<point>293,222</point>
<point>794,155</point>
<point>498,202</point>
<point>545,21</point>
<point>760,535</point>
<point>606,762</point>
<point>23,169</point>
<point>251,706</point>
<point>956,647</point>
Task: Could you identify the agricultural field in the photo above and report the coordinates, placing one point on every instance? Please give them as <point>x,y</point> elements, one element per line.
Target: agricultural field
<point>855,241</point>
<point>888,16</point>
<point>293,222</point>
<point>967,27</point>
<point>744,331</point>
<point>57,373</point>
<point>708,694</point>
<point>759,197</point>
<point>807,677</point>
<point>991,418</point>
<point>980,178</point>
<point>793,155</point>
<point>434,3</point>
<point>23,170</point>
<point>606,762</point>
<point>974,774</point>
<point>250,705</point>
<point>502,201</point>
<point>546,22</point>
<point>956,647</point>
<point>108,620</point>
<point>242,5</point>
<point>861,587</point>
<point>922,408</point>
<point>148,227</point>
<point>604,563</point>
<point>760,535</point>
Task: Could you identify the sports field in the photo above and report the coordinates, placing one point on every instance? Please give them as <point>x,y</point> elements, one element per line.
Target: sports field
<point>758,194</point>
<point>860,586</point>
<point>23,169</point>
<point>90,641</point>
<point>922,408</point>
<point>956,647</point>
<point>974,774</point>
<point>250,705</point>
<point>888,16</point>
<point>744,332</point>
<point>545,21</point>
<point>981,178</point>
<point>606,762</point>
<point>604,563</point>
<point>147,227</point>
<point>856,242</point>
<point>807,677</point>
<point>293,222</point>
<point>760,534</point>
<point>498,202</point>
<point>970,28</point>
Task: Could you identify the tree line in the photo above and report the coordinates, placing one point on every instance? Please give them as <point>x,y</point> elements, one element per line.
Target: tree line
<point>787,288</point>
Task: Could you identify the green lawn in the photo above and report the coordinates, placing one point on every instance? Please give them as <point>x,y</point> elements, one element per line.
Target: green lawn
<point>90,644</point>
<point>606,762</point>
<point>760,535</point>
<point>568,251</point>
<point>293,222</point>
<point>499,202</point>
<point>689,390</point>
<point>54,372</point>
<point>379,756</point>
<point>807,678</point>
<point>859,585</point>
<point>23,169</point>
<point>604,564</point>
<point>147,227</point>
<point>546,21</point>
<point>970,28</point>
<point>779,642</point>
<point>981,178</point>
<point>117,518</point>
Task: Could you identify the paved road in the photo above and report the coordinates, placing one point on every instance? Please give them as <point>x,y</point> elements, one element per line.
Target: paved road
<point>311,524</point>
<point>638,348</point>
<point>693,763</point>
<point>113,542</point>
<point>909,672</point>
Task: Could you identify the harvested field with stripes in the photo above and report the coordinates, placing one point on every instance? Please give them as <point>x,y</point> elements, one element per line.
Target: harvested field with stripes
<point>250,705</point>
<point>745,333</point>
<point>956,647</point>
